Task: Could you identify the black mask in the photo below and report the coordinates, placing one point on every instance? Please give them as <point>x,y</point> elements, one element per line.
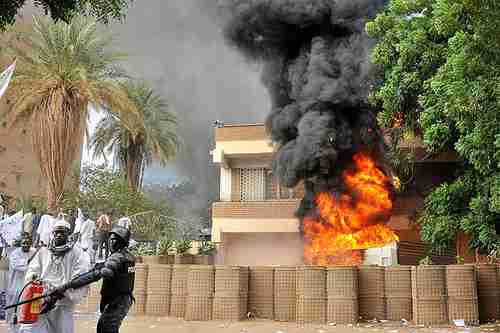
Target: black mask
<point>115,243</point>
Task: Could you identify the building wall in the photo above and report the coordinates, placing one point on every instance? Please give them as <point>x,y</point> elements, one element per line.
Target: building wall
<point>20,174</point>
<point>19,171</point>
<point>241,132</point>
<point>258,249</point>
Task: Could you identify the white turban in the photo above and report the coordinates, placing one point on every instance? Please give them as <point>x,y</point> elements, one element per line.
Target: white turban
<point>61,223</point>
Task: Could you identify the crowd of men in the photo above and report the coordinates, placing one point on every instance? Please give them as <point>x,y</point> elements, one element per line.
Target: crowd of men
<point>64,254</point>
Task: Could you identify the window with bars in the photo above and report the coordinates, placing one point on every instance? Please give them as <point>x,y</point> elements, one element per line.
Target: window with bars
<point>261,184</point>
<point>253,184</point>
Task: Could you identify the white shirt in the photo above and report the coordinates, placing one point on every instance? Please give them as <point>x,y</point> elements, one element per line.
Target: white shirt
<point>18,263</point>
<point>78,221</point>
<point>45,228</point>
<point>11,228</point>
<point>87,231</point>
<point>124,222</point>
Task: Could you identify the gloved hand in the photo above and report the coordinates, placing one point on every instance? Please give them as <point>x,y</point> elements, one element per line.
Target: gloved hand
<point>49,303</point>
<point>99,265</point>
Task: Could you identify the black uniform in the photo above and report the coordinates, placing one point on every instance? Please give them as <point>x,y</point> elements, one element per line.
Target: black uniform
<point>117,289</point>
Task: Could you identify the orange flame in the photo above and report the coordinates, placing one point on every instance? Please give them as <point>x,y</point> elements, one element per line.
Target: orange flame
<point>353,221</point>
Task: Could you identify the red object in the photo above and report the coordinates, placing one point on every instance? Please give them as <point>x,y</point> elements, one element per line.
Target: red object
<point>29,312</point>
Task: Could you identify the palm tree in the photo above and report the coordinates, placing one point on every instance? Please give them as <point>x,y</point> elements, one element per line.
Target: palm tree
<point>63,69</point>
<point>156,137</point>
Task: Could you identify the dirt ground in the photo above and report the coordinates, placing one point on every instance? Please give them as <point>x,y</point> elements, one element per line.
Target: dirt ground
<point>86,324</point>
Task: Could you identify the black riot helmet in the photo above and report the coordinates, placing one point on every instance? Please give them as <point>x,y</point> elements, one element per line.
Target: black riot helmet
<point>122,233</point>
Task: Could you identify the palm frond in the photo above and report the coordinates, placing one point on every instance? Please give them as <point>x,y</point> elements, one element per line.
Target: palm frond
<point>138,141</point>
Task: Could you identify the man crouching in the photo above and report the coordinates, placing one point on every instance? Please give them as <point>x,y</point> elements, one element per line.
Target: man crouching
<point>55,266</point>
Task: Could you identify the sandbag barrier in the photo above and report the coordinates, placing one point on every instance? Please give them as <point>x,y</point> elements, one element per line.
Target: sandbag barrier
<point>461,286</point>
<point>371,292</point>
<point>342,289</point>
<point>428,295</point>
<point>398,300</point>
<point>261,292</point>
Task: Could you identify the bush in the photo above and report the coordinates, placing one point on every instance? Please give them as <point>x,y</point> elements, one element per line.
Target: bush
<point>425,261</point>
<point>207,248</point>
<point>183,246</point>
<point>106,191</point>
<point>143,250</point>
<point>165,245</point>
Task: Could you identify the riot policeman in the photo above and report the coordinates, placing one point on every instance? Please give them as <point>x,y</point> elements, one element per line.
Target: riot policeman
<point>118,276</point>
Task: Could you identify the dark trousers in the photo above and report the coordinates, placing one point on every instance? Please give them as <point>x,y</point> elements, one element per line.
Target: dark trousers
<point>113,313</point>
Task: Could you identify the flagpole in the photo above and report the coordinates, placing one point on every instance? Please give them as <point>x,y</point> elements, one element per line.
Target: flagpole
<point>6,76</point>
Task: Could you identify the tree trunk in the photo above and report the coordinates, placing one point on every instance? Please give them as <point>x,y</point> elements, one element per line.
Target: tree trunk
<point>51,200</point>
<point>57,129</point>
<point>133,165</point>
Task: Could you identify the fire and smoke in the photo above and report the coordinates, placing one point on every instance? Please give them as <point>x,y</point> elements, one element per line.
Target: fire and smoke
<point>352,220</point>
<point>316,68</point>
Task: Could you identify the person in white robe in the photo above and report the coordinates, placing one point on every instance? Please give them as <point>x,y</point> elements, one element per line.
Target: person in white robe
<point>124,222</point>
<point>80,218</point>
<point>86,239</point>
<point>28,223</point>
<point>18,264</point>
<point>11,229</point>
<point>127,223</point>
<point>2,213</point>
<point>45,229</point>
<point>55,266</point>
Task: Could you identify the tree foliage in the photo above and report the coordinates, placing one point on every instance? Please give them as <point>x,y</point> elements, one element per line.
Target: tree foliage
<point>440,77</point>
<point>102,10</point>
<point>62,70</point>
<point>155,134</point>
<point>106,191</point>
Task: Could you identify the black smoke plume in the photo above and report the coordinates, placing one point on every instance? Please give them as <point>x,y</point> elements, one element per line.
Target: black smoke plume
<point>317,70</point>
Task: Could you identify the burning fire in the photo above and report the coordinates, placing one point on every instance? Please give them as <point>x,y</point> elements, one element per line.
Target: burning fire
<point>352,221</point>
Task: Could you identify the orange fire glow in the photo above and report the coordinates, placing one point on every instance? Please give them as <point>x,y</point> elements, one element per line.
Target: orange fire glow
<point>352,221</point>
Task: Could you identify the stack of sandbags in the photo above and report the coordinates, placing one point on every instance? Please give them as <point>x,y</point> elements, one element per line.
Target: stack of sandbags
<point>488,292</point>
<point>179,290</point>
<point>371,292</point>
<point>398,293</point>
<point>231,293</point>
<point>261,292</point>
<point>311,294</point>
<point>462,293</point>
<point>285,299</point>
<point>342,295</point>
<point>429,295</point>
<point>200,292</point>
<point>158,290</point>
<point>140,284</point>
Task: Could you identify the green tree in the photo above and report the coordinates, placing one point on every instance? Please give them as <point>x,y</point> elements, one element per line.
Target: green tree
<point>106,191</point>
<point>103,10</point>
<point>62,70</point>
<point>440,77</point>
<point>155,136</point>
